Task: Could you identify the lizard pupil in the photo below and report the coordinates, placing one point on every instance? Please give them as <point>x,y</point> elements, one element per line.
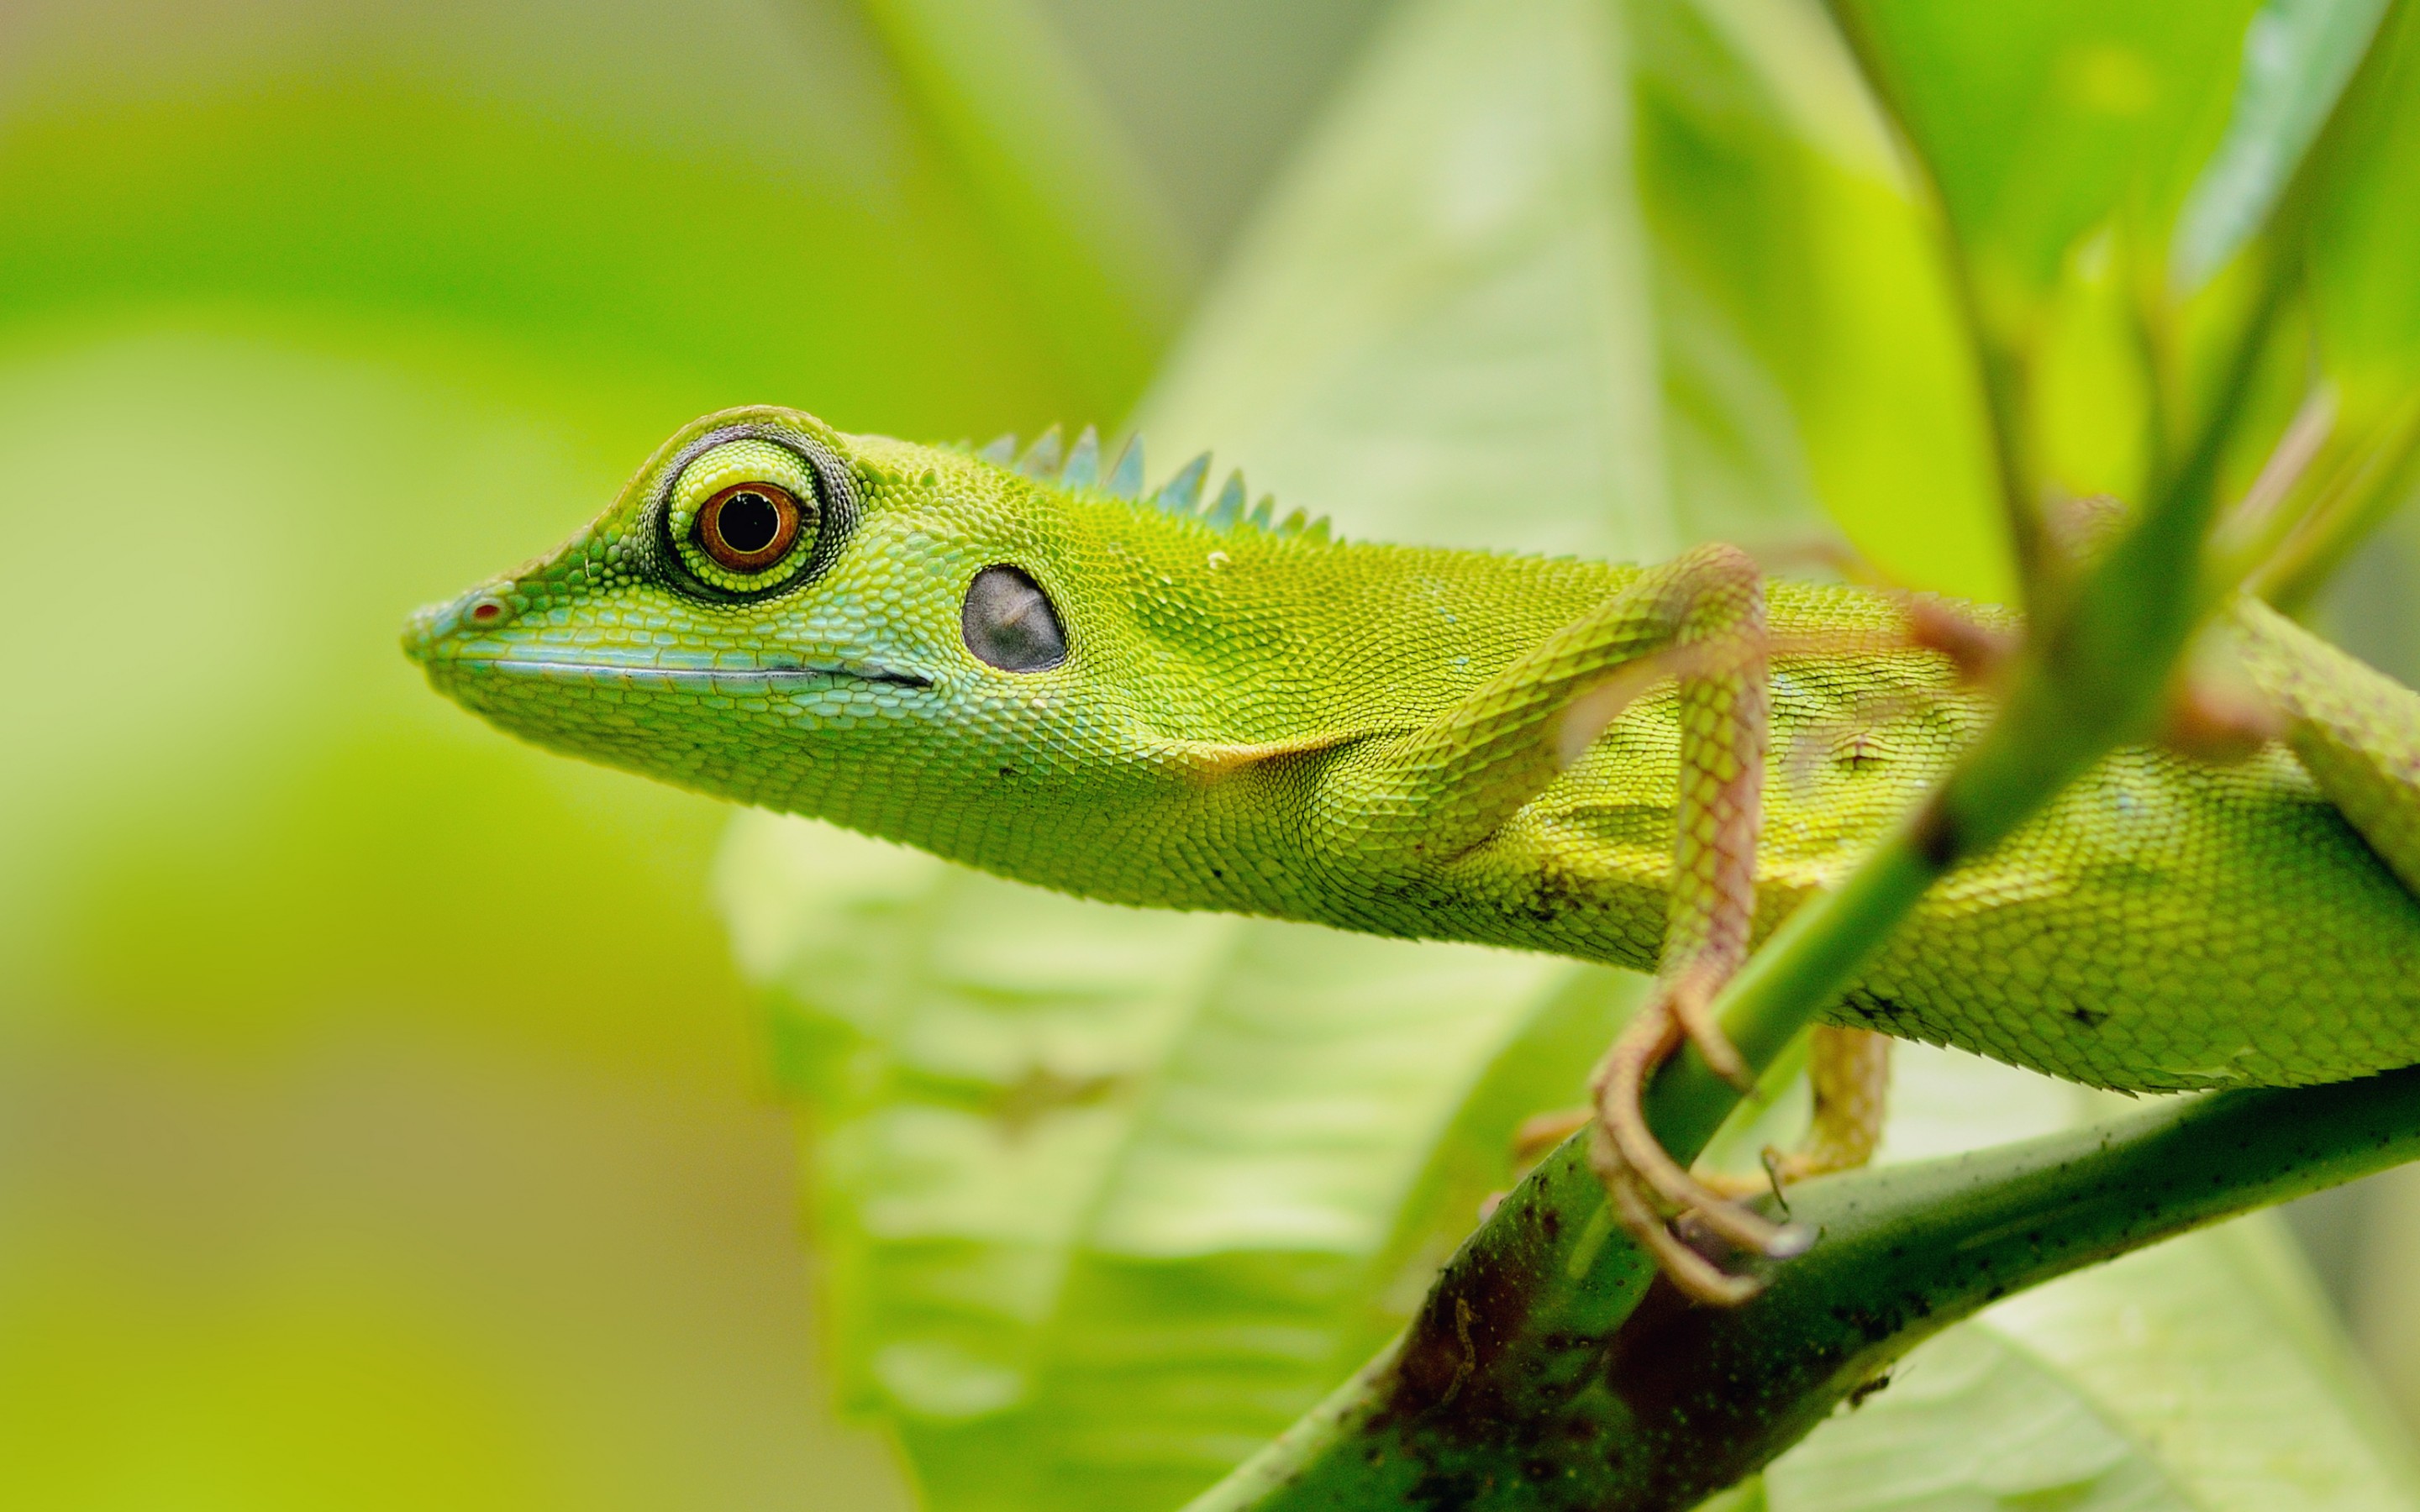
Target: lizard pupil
<point>749,522</point>
<point>748,526</point>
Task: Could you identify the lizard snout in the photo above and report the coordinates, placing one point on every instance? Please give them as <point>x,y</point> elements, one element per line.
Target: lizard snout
<point>431,626</point>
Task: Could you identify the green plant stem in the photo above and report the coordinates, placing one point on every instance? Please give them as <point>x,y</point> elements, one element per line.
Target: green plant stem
<point>1999,366</point>
<point>1678,1400</point>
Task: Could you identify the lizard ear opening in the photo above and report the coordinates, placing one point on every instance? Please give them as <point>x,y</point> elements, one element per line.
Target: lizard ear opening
<point>1008,624</point>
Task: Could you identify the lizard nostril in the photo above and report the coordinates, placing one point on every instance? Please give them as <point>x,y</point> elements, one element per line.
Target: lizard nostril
<point>487,611</point>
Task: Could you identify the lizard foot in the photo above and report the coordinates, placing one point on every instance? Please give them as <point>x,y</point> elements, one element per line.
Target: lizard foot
<point>1648,1187</point>
<point>1849,1073</point>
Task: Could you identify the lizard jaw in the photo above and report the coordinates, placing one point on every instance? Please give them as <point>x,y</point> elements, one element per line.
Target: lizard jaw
<point>772,679</point>
<point>452,641</point>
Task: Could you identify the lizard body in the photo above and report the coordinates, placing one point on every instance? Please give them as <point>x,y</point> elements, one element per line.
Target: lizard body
<point>1160,705</point>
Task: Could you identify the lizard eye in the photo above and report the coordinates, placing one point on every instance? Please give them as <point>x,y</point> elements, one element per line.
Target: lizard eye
<point>748,526</point>
<point>748,515</point>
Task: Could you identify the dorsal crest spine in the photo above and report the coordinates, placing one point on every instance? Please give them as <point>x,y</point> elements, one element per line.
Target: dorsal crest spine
<point>1181,495</point>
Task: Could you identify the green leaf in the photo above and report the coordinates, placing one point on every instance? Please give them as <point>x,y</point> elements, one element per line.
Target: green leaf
<point>2353,234</point>
<point>2297,57</point>
<point>2118,183</point>
<point>1440,327</point>
<point>2040,119</point>
<point>2196,1374</point>
<point>1599,278</point>
<point>2366,237</point>
<point>1810,347</point>
<point>2218,1354</point>
<point>1971,1421</point>
<point>1106,1196</point>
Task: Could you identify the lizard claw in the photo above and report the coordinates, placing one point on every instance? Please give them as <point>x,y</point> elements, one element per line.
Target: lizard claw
<point>1695,1274</point>
<point>1646,1183</point>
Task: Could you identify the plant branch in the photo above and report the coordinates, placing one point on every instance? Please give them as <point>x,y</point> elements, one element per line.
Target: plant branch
<point>1678,1400</point>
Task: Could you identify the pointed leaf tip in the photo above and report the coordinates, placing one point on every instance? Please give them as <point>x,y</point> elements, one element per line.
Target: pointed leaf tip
<point>1041,459</point>
<point>1125,475</point>
<point>1000,450</point>
<point>1182,494</point>
<point>1084,468</point>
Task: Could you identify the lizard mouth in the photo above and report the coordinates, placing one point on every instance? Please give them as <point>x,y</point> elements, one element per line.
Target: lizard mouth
<point>774,678</point>
<point>458,641</point>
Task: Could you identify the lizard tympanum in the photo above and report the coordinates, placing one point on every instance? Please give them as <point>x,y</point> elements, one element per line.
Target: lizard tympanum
<point>1029,666</point>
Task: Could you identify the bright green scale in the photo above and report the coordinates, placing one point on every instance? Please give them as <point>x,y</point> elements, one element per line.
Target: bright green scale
<point>1154,703</point>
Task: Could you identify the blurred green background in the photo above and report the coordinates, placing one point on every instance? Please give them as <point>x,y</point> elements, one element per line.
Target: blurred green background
<point>382,1123</point>
<point>382,1120</point>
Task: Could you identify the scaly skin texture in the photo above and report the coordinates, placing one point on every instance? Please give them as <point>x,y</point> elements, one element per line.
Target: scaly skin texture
<point>1373,737</point>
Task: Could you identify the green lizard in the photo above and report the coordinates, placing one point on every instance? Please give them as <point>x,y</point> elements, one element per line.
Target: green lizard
<point>1026,666</point>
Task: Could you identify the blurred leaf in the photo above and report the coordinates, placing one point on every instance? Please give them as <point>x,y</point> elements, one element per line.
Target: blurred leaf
<point>747,204</point>
<point>2352,235</point>
<point>2040,121</point>
<point>1970,1421</point>
<point>1602,279</point>
<point>2059,140</point>
<point>1440,327</point>
<point>2366,310</point>
<point>1811,350</point>
<point>1106,1194</point>
<point>2174,1378</point>
<point>1063,198</point>
<point>2218,1354</point>
<point>2103,168</point>
<point>2297,55</point>
<point>2386,1294</point>
<point>2365,237</point>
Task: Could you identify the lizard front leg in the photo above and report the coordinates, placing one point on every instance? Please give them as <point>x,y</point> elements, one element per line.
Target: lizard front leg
<point>1422,803</point>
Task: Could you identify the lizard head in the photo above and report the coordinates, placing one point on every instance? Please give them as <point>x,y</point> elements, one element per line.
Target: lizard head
<point>777,612</point>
